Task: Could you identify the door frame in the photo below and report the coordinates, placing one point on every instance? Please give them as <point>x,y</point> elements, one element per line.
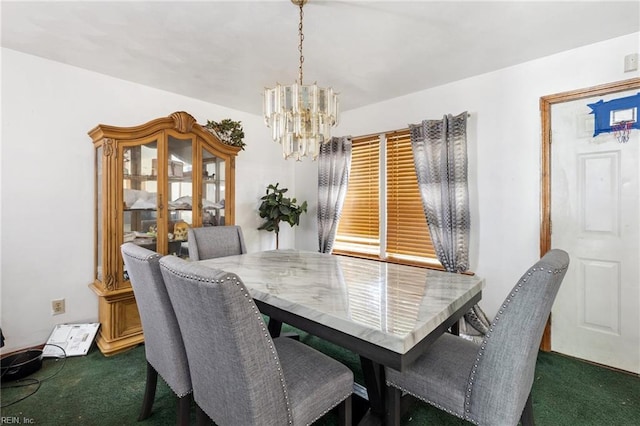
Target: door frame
<point>545,177</point>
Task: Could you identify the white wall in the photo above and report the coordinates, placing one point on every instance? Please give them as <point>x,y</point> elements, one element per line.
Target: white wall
<point>504,148</point>
<point>47,170</point>
<point>48,176</point>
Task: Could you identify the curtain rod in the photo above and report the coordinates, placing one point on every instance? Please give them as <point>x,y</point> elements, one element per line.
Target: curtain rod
<point>390,131</point>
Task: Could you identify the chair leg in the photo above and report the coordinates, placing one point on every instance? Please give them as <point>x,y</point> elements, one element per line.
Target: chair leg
<point>149,392</point>
<point>275,330</point>
<point>393,397</point>
<point>275,327</point>
<point>345,413</point>
<point>202,419</point>
<point>184,411</point>
<point>455,328</point>
<point>526,418</point>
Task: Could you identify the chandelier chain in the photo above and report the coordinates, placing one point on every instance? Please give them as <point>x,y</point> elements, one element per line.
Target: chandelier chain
<point>300,117</point>
<point>300,33</point>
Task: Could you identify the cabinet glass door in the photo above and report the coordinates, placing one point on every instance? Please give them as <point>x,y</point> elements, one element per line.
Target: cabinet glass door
<point>179,193</point>
<point>140,191</point>
<point>213,189</point>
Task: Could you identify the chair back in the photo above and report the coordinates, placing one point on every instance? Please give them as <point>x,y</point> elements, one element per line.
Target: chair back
<point>209,242</point>
<point>502,376</point>
<point>236,372</point>
<point>164,347</point>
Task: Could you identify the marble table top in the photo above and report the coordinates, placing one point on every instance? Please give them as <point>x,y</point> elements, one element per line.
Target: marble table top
<point>393,306</point>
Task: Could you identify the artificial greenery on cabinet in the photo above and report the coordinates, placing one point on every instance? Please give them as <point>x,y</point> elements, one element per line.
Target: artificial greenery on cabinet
<point>228,131</point>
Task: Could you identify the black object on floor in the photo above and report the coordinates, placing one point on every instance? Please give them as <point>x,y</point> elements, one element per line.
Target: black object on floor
<point>20,365</point>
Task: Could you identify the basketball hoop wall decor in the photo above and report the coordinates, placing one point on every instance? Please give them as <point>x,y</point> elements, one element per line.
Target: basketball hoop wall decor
<point>617,116</point>
<point>621,130</point>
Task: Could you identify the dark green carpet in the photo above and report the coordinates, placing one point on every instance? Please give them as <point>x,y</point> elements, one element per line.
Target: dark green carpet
<point>96,390</point>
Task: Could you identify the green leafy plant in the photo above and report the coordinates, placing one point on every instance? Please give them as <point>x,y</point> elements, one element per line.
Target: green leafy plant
<point>276,208</point>
<point>228,131</point>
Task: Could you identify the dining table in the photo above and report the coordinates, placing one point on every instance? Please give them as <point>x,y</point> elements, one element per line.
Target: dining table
<point>386,313</point>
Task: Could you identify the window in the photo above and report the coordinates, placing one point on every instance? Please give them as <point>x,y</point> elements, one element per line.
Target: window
<point>382,216</point>
<point>359,227</point>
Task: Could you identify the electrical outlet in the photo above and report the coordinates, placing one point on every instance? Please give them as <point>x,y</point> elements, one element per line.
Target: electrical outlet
<point>57,306</point>
<point>631,62</point>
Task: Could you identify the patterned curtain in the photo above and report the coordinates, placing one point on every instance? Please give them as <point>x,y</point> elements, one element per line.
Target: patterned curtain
<point>334,163</point>
<point>440,158</point>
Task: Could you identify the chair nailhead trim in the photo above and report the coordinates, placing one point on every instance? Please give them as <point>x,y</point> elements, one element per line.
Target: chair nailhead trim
<point>467,415</point>
<point>428,401</point>
<point>153,255</point>
<point>256,312</point>
<point>180,395</point>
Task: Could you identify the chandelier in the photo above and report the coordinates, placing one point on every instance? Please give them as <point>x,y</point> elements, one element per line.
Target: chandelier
<point>300,116</point>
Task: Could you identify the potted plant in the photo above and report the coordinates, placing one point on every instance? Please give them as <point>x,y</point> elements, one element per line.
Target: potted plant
<point>228,131</point>
<point>276,208</point>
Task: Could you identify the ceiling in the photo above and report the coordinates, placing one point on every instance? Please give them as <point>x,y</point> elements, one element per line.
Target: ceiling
<point>226,52</point>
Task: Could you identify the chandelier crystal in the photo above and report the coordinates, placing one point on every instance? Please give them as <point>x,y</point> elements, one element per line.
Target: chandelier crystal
<point>300,116</point>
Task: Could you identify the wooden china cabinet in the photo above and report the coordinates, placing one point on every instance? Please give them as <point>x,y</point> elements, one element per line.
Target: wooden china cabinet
<point>153,181</point>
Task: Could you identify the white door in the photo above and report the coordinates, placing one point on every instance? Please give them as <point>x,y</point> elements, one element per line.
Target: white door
<point>595,216</point>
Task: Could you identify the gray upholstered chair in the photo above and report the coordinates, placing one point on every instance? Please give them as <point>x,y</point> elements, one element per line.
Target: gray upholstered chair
<point>241,376</point>
<point>209,242</point>
<point>490,383</point>
<point>219,241</point>
<point>164,348</point>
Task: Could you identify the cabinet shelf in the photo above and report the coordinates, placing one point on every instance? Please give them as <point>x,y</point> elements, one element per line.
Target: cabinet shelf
<point>171,209</point>
<point>144,178</point>
<point>153,178</point>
